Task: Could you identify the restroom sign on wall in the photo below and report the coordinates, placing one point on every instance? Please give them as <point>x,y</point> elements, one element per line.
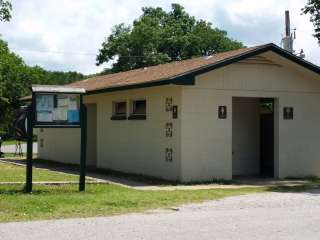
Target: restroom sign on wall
<point>222,112</point>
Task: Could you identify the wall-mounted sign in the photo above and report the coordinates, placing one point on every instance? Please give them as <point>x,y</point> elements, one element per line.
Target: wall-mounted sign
<point>288,113</point>
<point>169,155</point>
<point>175,112</point>
<point>169,102</point>
<point>222,112</point>
<point>169,127</point>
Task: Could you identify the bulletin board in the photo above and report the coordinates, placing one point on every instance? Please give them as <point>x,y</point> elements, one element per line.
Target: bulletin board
<point>57,109</point>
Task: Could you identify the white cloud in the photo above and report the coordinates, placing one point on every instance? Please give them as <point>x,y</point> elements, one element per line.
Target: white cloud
<point>80,26</point>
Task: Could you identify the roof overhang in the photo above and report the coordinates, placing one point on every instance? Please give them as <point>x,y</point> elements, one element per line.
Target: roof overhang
<point>259,50</point>
<point>188,78</point>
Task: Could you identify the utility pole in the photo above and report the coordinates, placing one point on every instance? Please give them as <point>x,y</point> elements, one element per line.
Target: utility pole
<point>288,39</point>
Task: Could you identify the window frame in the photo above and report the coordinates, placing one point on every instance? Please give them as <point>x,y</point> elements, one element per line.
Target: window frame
<point>134,115</point>
<point>116,115</point>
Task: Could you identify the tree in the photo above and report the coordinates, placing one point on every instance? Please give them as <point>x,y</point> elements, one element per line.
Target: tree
<point>158,37</point>
<point>5,10</point>
<point>16,79</point>
<point>12,84</point>
<point>313,8</point>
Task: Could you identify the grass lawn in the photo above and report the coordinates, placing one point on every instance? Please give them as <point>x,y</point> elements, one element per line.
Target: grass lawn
<point>52,202</point>
<point>14,173</point>
<point>12,155</point>
<point>64,201</point>
<point>55,202</point>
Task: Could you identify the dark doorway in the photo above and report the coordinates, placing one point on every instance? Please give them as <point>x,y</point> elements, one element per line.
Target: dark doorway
<point>91,136</point>
<point>267,137</point>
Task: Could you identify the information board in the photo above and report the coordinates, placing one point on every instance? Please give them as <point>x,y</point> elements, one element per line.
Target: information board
<point>57,109</point>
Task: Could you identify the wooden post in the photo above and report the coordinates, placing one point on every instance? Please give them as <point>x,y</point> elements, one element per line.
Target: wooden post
<point>83,155</point>
<point>28,188</point>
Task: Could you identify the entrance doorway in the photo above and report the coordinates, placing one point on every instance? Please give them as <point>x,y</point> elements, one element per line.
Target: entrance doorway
<point>252,137</point>
<point>267,137</point>
<point>91,136</point>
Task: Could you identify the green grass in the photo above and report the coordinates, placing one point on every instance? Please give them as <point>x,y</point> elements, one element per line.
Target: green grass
<point>10,142</point>
<point>53,202</point>
<point>12,155</point>
<point>14,173</point>
<point>56,202</point>
<point>64,201</point>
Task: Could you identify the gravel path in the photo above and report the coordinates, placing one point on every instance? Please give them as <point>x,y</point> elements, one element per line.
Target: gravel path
<point>257,216</point>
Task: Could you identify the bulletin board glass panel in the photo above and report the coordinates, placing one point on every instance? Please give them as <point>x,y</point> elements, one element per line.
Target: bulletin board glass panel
<point>57,109</point>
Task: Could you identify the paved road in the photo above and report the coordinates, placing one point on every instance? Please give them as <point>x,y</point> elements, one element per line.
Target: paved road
<point>257,216</point>
<point>11,149</point>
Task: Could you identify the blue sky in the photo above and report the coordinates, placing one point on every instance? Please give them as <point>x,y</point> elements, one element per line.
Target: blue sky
<point>66,34</point>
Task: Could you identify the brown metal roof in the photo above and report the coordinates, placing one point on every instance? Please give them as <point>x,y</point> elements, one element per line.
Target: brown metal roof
<point>155,73</point>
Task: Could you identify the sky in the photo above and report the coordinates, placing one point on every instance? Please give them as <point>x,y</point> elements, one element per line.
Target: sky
<point>67,34</point>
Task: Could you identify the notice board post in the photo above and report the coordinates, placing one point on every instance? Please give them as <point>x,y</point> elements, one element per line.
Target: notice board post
<point>83,154</point>
<point>29,129</point>
<point>56,107</point>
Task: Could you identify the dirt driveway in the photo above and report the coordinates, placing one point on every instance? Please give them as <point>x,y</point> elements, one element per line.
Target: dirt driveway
<point>257,216</point>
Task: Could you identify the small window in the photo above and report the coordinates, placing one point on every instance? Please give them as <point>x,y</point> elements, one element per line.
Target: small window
<point>119,111</point>
<point>138,109</point>
<point>120,108</point>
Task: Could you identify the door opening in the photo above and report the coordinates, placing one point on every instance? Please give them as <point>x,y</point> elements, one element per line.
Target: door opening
<point>91,136</point>
<point>267,137</point>
<point>253,136</point>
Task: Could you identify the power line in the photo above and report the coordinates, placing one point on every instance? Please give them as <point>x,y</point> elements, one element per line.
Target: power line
<point>55,52</point>
<point>73,53</point>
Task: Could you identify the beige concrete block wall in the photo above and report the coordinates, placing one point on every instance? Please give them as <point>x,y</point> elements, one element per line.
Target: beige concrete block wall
<point>63,144</point>
<point>299,139</point>
<point>206,143</point>
<point>60,145</point>
<point>138,146</point>
<point>205,140</point>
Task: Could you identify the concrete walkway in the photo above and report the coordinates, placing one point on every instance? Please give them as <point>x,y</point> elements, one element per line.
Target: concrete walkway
<point>265,216</point>
<point>147,186</point>
<point>239,184</point>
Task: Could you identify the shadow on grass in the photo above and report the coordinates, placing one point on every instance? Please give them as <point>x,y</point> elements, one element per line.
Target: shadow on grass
<point>19,190</point>
<point>39,189</point>
<point>310,187</point>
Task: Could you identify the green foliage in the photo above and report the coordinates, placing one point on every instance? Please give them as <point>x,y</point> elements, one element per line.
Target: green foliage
<point>313,8</point>
<point>5,10</point>
<point>16,79</point>
<point>158,37</point>
<point>13,84</point>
